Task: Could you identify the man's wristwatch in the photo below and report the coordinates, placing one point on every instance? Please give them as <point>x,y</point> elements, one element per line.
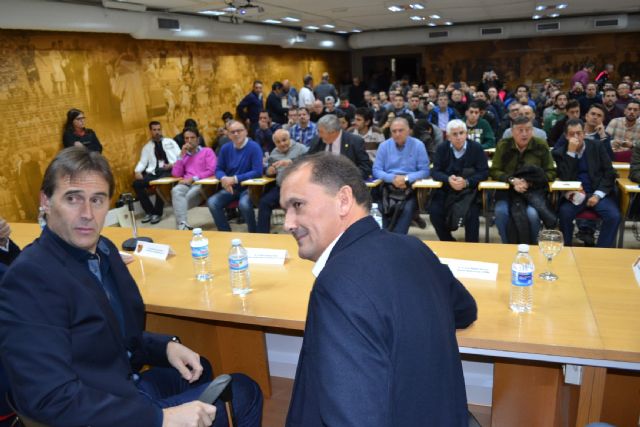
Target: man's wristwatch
<point>175,340</point>
<point>406,179</point>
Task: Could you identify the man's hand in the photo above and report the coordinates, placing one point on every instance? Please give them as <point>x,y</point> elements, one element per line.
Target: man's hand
<point>574,144</point>
<point>457,182</point>
<point>185,360</point>
<point>601,131</point>
<point>227,183</point>
<point>183,151</point>
<point>520,185</point>
<point>399,182</point>
<point>186,181</point>
<point>282,163</point>
<point>592,201</point>
<point>192,414</point>
<point>138,175</point>
<point>78,144</point>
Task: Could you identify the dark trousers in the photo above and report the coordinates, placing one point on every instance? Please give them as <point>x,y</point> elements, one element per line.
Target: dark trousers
<point>606,208</point>
<point>140,187</point>
<point>438,216</point>
<point>269,201</point>
<point>166,388</point>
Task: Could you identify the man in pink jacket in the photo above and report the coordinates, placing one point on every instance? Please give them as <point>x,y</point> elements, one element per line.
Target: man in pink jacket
<point>195,162</point>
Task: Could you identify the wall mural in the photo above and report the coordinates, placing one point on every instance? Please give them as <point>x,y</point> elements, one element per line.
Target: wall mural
<point>121,84</point>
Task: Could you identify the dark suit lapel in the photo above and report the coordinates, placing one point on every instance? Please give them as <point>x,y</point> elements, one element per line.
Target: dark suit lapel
<point>86,278</point>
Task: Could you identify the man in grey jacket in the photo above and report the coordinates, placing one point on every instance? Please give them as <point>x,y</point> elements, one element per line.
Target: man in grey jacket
<point>283,155</point>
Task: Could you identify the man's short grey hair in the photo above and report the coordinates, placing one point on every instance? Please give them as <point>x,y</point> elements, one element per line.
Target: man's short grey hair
<point>401,120</point>
<point>330,123</point>
<point>333,172</point>
<point>456,124</point>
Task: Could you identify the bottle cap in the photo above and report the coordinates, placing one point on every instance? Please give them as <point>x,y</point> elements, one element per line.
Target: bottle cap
<point>236,242</point>
<point>523,247</point>
<point>197,231</point>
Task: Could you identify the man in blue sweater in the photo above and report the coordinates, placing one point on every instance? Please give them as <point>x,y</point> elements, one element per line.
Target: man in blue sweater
<point>237,162</point>
<point>400,161</point>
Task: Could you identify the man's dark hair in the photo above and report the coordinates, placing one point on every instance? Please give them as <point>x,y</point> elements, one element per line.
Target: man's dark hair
<point>190,123</point>
<point>524,86</point>
<point>257,82</point>
<point>307,79</point>
<point>192,130</point>
<point>633,101</point>
<point>154,123</point>
<point>611,90</point>
<point>227,116</point>
<point>266,112</point>
<point>573,103</point>
<point>72,162</point>
<point>479,104</point>
<point>520,120</point>
<point>571,123</point>
<point>333,172</point>
<point>277,86</point>
<point>366,114</point>
<point>599,107</point>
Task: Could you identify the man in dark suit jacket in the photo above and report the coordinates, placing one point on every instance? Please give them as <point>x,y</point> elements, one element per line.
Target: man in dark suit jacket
<point>587,161</point>
<point>72,319</point>
<point>331,138</point>
<point>8,250</point>
<point>379,344</point>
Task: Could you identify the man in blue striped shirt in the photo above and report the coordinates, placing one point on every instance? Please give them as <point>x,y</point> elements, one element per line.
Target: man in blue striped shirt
<point>305,130</point>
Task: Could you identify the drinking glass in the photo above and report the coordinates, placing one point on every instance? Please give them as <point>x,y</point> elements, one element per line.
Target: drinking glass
<point>550,243</point>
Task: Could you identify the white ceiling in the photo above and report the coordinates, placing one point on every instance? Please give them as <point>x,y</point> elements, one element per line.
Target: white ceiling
<point>367,15</point>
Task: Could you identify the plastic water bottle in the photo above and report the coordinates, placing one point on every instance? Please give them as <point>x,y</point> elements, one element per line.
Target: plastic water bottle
<point>200,256</point>
<point>375,213</point>
<point>239,268</point>
<point>521,298</point>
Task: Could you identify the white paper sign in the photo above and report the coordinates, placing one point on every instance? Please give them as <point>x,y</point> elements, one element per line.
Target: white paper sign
<point>266,256</point>
<point>464,269</point>
<point>636,270</point>
<point>563,185</point>
<point>152,250</point>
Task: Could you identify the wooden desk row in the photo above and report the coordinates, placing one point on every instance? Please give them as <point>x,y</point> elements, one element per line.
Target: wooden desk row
<point>589,317</point>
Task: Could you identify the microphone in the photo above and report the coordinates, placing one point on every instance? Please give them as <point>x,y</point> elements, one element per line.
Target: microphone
<point>130,244</point>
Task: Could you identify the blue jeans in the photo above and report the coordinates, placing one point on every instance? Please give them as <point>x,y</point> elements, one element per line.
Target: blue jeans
<point>502,220</point>
<point>166,388</point>
<point>222,198</point>
<point>268,201</point>
<point>608,211</point>
<point>404,218</point>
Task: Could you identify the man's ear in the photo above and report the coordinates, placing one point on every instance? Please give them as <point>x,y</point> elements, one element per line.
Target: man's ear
<point>45,202</point>
<point>345,200</point>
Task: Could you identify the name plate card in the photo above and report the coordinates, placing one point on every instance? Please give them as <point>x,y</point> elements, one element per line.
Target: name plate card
<point>267,256</point>
<point>153,250</point>
<point>463,269</point>
<point>636,270</point>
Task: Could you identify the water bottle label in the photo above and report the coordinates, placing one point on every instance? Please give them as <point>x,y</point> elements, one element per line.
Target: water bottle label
<point>238,264</point>
<point>522,278</point>
<point>200,251</point>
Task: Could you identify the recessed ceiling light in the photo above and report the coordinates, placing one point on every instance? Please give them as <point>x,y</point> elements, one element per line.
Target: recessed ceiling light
<point>395,8</point>
<point>434,16</point>
<point>561,6</point>
<point>290,19</point>
<point>272,21</point>
<point>448,23</point>
<point>417,18</point>
<point>432,24</point>
<point>554,15</point>
<point>329,26</point>
<point>355,30</point>
<point>212,12</point>
<point>312,27</point>
<point>341,32</point>
<point>540,7</point>
<point>416,6</point>
<point>326,43</point>
<point>229,9</point>
<point>536,17</point>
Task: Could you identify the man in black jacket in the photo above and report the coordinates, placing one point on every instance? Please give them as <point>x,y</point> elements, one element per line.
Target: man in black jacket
<point>587,161</point>
<point>331,138</point>
<point>460,165</point>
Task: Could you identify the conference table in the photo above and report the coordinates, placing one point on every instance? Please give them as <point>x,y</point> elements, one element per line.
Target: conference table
<point>589,317</point>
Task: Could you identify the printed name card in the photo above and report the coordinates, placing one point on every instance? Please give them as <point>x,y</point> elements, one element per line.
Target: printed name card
<point>267,256</point>
<point>636,270</point>
<point>153,250</point>
<point>566,185</point>
<point>463,269</point>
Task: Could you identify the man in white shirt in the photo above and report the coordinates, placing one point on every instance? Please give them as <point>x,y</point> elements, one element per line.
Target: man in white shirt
<point>156,160</point>
<point>306,97</point>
